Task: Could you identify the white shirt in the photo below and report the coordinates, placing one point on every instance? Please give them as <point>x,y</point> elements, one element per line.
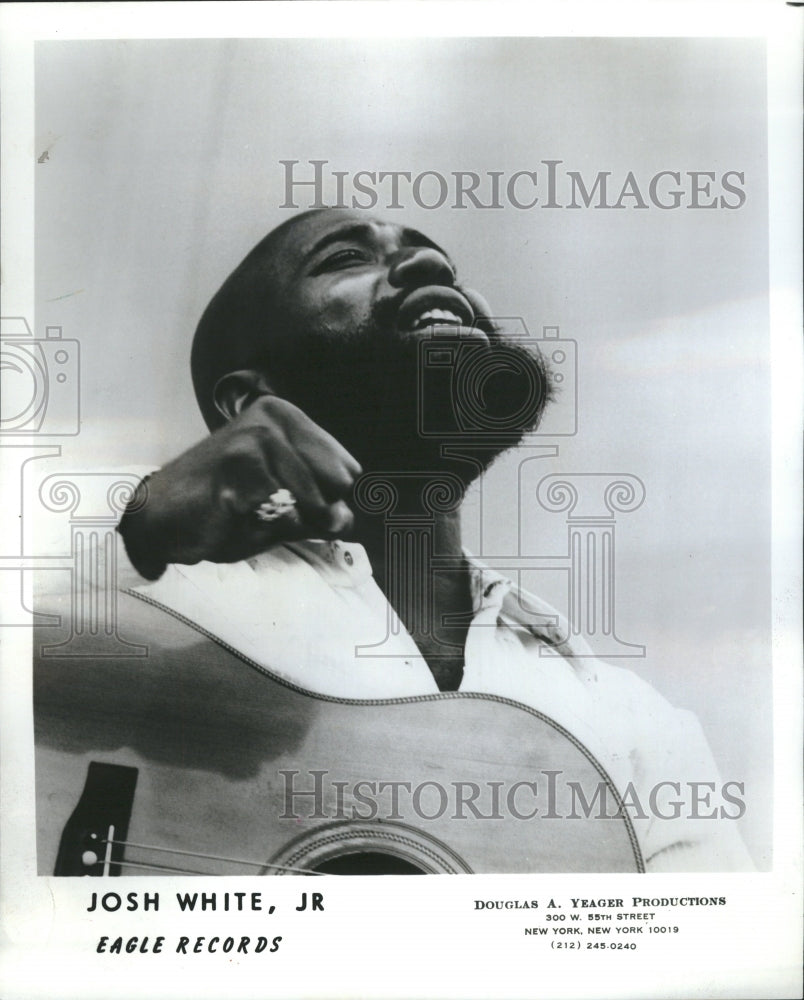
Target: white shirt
<point>312,613</point>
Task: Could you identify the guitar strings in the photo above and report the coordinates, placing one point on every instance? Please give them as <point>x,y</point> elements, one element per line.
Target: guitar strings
<point>198,854</point>
<point>158,868</point>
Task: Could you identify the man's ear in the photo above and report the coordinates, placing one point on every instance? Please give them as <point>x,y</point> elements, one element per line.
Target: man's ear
<point>233,392</point>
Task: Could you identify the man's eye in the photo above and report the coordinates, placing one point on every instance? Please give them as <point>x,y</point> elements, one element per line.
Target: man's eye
<point>343,258</point>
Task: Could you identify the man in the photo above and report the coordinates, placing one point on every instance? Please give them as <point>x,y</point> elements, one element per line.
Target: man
<point>273,536</point>
<point>311,352</point>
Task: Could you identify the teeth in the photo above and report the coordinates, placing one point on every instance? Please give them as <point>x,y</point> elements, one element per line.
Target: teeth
<point>433,316</point>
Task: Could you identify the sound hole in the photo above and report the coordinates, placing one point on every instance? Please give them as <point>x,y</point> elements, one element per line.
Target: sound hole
<point>367,863</point>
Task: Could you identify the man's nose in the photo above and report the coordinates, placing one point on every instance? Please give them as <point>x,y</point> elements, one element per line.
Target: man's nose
<point>416,266</point>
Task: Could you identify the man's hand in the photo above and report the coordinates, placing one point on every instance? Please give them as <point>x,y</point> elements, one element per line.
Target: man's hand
<point>203,504</point>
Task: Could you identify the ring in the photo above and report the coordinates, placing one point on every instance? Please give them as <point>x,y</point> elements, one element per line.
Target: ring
<point>277,505</point>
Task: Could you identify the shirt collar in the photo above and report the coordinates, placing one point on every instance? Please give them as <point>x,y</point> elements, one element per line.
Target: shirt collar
<point>346,564</point>
<point>520,608</point>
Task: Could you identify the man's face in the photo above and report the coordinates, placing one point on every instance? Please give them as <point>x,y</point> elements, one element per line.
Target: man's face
<point>339,273</point>
<point>353,299</point>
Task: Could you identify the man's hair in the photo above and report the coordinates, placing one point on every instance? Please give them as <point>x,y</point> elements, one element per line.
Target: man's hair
<point>235,330</point>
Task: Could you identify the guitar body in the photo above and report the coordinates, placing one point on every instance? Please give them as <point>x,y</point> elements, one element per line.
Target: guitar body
<point>204,763</point>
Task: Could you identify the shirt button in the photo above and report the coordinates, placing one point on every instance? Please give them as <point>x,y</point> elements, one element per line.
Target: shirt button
<point>348,558</point>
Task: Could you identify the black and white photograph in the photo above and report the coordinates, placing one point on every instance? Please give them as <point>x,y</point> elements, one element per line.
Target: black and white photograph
<point>401,445</point>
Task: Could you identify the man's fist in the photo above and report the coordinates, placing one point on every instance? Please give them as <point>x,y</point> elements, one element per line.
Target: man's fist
<point>203,505</point>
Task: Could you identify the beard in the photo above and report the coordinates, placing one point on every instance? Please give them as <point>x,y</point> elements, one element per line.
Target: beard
<point>426,404</point>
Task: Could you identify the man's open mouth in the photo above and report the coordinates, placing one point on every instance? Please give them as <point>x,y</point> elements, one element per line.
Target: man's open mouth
<point>439,317</point>
<point>434,305</point>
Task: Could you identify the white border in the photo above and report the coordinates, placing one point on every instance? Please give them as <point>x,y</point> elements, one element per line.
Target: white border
<point>382,944</point>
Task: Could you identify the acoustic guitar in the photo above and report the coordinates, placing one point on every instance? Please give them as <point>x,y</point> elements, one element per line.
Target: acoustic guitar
<point>194,760</point>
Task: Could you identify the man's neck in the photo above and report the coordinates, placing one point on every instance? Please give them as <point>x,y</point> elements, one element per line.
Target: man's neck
<point>417,559</point>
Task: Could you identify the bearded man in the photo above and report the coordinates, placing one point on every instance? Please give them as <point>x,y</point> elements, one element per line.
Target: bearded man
<point>306,367</point>
<point>267,536</point>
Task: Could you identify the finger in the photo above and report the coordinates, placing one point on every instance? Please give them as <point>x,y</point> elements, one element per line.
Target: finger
<point>335,479</point>
<point>243,479</point>
<point>301,432</point>
<point>352,465</point>
<point>336,465</point>
<point>293,473</point>
<point>262,523</point>
<point>341,520</point>
<point>306,435</point>
<point>247,541</point>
